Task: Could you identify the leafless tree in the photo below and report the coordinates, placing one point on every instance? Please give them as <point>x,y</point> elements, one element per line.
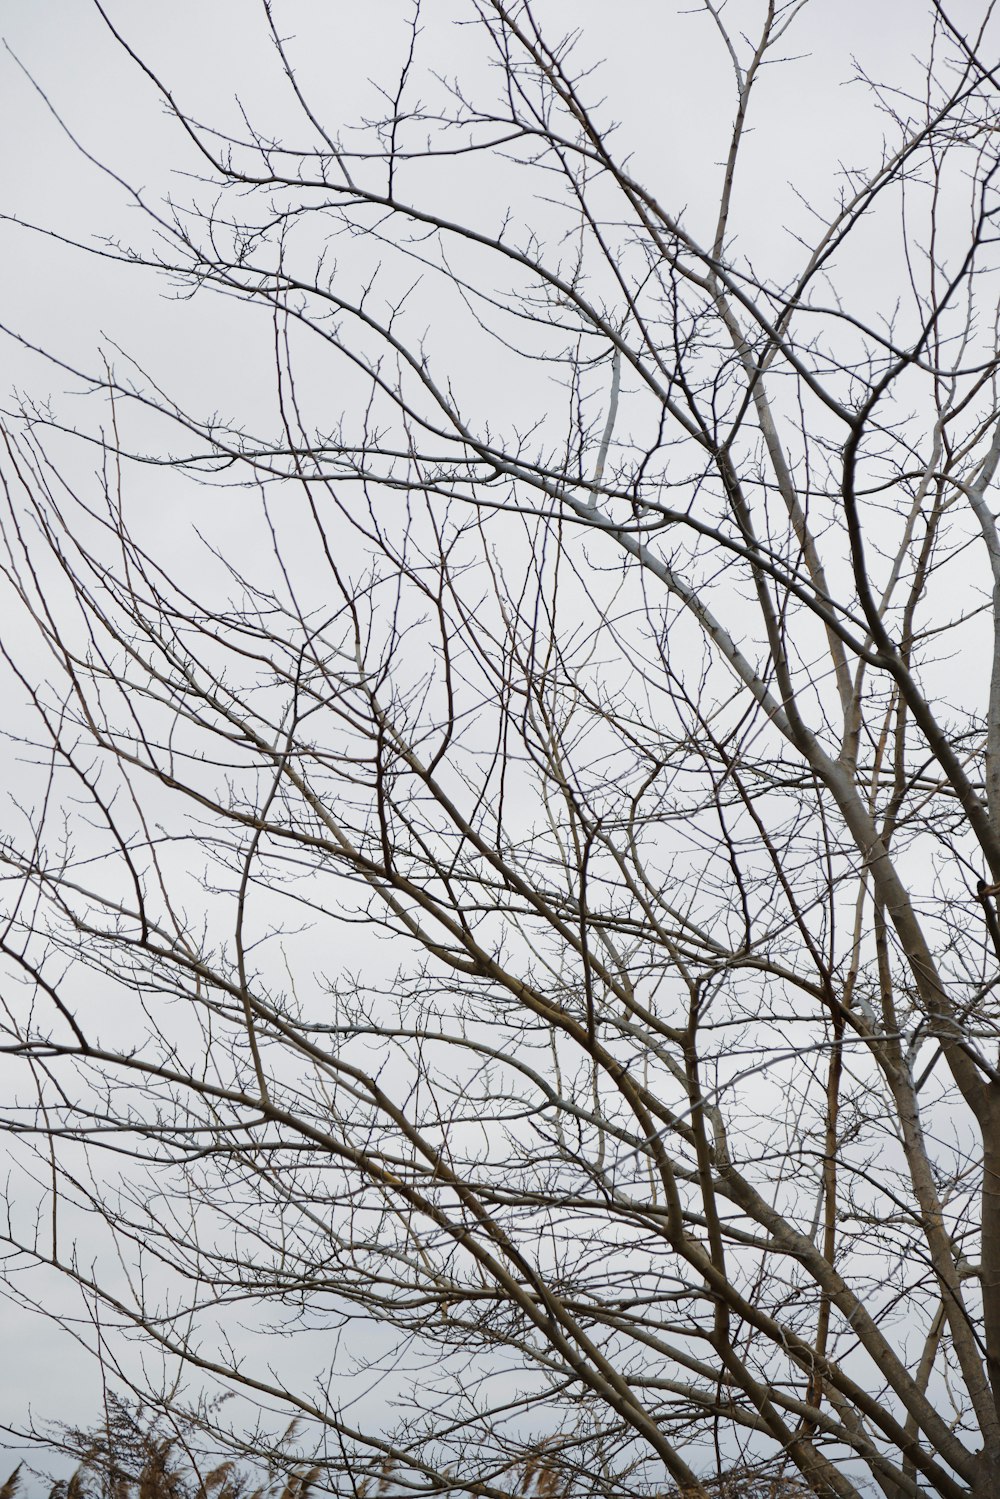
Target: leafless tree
<point>507,898</point>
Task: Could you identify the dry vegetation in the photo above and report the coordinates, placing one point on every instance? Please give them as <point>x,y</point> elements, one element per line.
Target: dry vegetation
<point>135,1454</point>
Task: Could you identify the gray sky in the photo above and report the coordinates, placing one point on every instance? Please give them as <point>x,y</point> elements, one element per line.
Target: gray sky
<point>665,80</point>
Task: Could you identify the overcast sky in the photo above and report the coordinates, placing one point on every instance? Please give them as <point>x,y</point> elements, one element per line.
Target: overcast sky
<point>665,79</point>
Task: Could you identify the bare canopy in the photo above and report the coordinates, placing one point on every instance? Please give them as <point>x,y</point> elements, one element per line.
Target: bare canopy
<point>506,894</point>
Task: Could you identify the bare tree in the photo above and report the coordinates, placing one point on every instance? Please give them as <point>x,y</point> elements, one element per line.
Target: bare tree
<point>509,896</point>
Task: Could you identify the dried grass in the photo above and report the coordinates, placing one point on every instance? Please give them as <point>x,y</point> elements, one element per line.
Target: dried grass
<point>131,1457</point>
